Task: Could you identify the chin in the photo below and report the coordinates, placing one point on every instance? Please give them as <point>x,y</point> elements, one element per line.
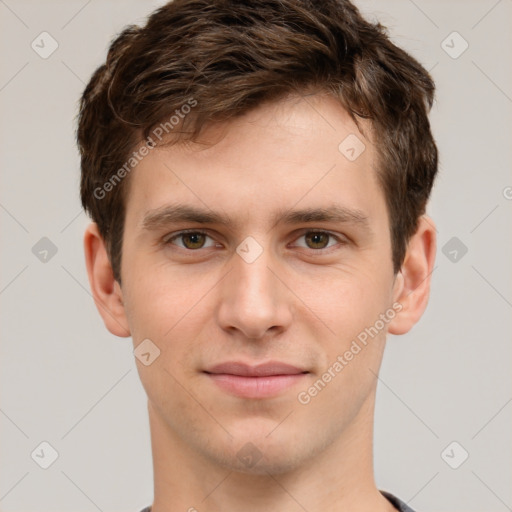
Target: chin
<point>257,453</point>
<point>263,463</point>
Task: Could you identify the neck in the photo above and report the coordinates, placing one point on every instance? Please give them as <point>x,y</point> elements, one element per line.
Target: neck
<point>339,478</point>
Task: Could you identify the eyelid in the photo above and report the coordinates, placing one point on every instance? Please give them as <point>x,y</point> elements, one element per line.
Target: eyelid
<point>175,234</point>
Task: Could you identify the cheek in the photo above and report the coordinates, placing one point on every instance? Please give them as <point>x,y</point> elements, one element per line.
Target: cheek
<point>174,314</point>
<point>171,315</point>
<point>344,302</point>
<point>351,305</point>
<point>161,300</point>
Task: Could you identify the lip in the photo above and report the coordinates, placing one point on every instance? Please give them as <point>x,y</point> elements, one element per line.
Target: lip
<point>255,381</point>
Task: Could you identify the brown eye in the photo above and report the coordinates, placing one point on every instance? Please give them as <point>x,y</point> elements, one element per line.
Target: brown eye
<point>193,240</point>
<point>317,239</point>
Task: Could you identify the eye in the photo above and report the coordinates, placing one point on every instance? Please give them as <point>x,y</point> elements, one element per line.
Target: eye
<point>191,240</point>
<point>318,240</point>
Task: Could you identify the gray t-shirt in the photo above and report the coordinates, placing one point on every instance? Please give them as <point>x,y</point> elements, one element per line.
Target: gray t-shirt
<point>396,502</point>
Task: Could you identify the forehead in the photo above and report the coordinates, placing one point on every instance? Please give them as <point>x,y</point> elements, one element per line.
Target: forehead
<point>302,151</point>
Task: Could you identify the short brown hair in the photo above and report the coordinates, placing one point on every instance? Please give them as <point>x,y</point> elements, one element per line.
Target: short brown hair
<point>229,57</point>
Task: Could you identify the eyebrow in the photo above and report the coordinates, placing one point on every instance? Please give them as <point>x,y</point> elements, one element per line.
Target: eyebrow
<point>169,214</point>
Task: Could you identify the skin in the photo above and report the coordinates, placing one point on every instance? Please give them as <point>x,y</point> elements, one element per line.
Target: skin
<point>297,303</point>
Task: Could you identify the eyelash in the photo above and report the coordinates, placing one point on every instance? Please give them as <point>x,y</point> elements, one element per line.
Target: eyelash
<point>169,239</point>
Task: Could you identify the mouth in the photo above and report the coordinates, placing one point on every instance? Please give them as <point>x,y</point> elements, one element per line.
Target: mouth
<point>260,381</point>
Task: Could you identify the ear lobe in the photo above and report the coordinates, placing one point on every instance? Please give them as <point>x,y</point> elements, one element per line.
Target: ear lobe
<point>106,291</point>
<point>412,284</point>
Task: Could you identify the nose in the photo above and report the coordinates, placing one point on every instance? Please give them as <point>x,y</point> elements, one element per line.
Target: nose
<point>254,302</point>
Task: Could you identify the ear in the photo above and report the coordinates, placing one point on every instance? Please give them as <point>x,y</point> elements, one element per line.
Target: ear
<point>412,283</point>
<point>106,291</point>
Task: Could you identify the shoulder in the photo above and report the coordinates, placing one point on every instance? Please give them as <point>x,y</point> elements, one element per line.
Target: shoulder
<point>396,502</point>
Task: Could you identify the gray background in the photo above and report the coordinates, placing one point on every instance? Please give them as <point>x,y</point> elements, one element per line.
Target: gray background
<point>67,381</point>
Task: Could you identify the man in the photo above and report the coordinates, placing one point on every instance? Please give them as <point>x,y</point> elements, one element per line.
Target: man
<point>257,175</point>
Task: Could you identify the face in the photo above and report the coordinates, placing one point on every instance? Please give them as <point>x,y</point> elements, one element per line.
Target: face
<point>259,263</point>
